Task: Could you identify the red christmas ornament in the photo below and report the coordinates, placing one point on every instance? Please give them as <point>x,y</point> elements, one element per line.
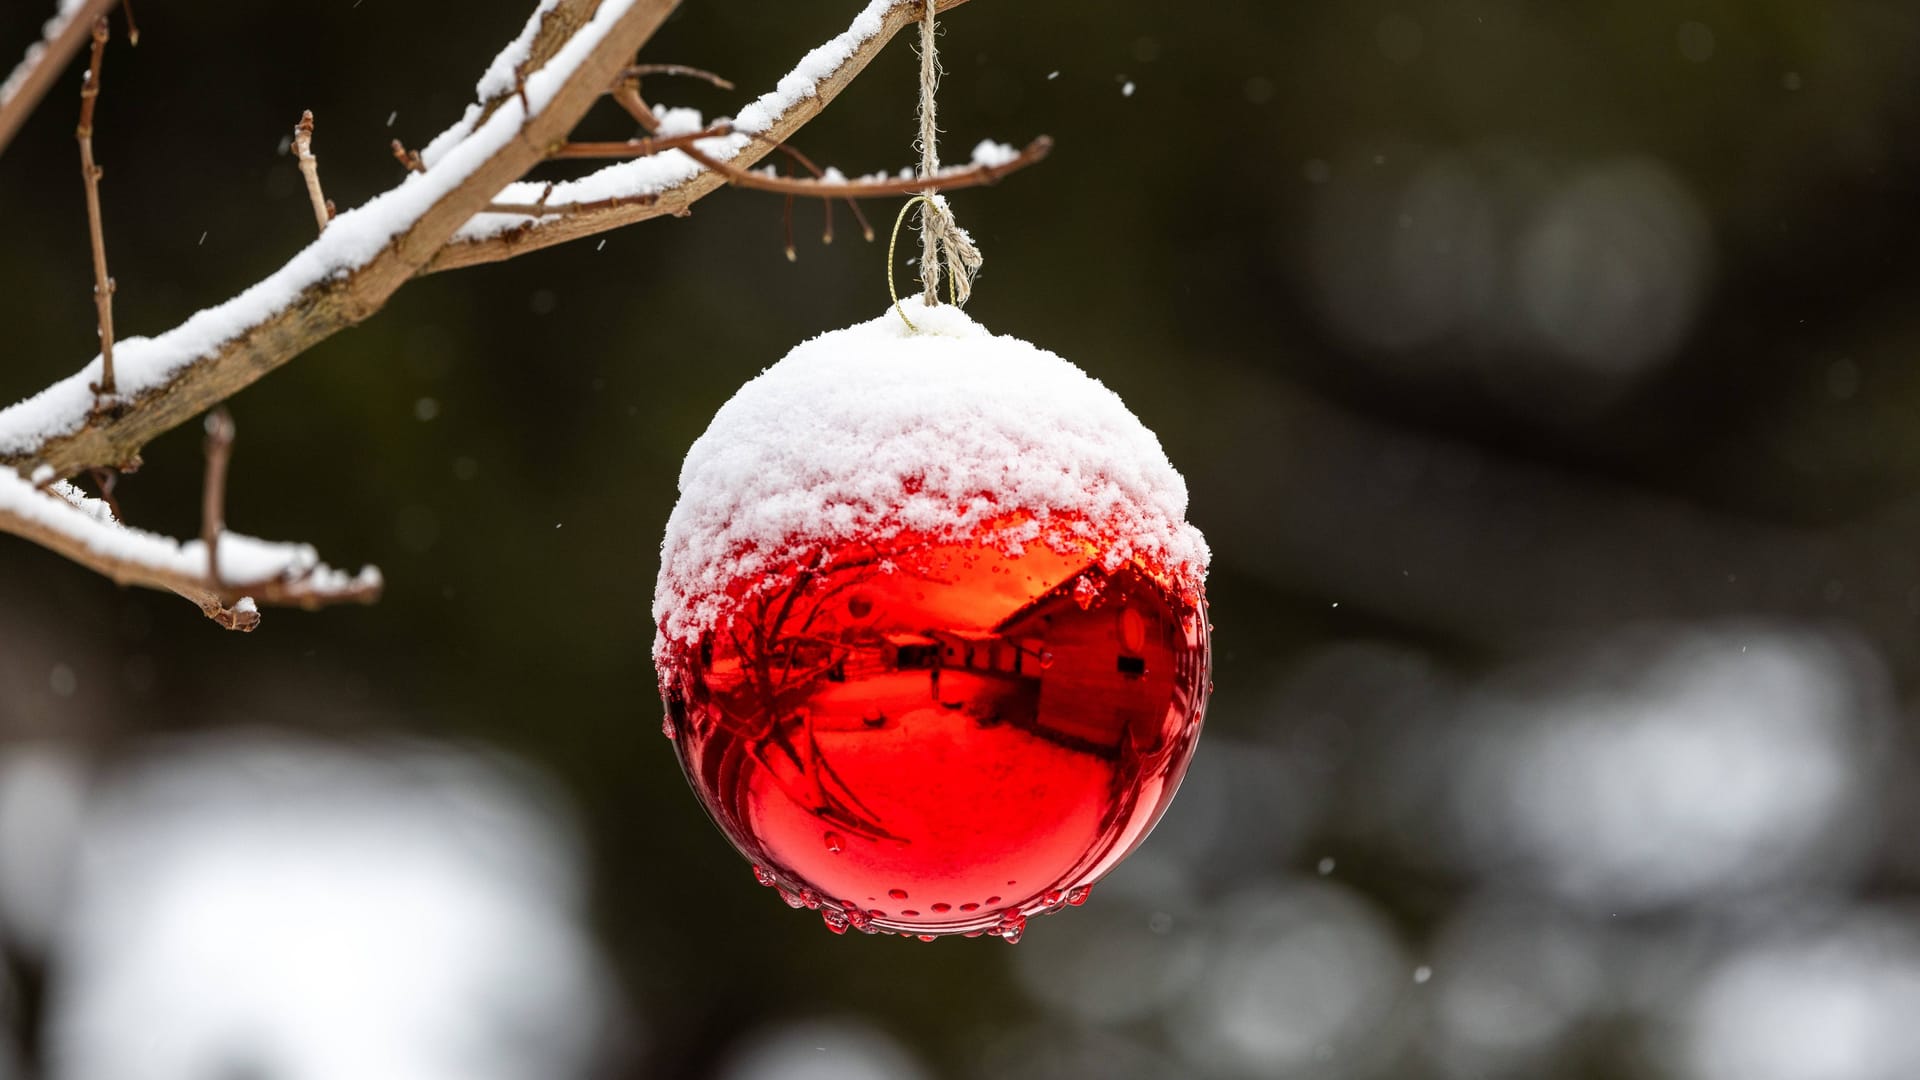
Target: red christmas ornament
<point>933,636</point>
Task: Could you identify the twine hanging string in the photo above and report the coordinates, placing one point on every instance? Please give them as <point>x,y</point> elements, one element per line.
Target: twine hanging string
<point>942,241</point>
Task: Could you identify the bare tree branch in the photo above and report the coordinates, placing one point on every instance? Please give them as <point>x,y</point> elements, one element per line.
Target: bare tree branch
<point>44,62</point>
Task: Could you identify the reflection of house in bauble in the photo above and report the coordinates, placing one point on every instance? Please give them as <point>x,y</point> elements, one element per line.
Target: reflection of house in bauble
<point>1103,650</point>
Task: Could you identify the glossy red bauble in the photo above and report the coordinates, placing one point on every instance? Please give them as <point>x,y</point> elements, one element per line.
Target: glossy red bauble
<point>938,738</point>
<point>933,639</point>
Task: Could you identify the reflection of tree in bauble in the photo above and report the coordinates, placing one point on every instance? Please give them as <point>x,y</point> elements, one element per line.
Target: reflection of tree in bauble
<point>932,631</point>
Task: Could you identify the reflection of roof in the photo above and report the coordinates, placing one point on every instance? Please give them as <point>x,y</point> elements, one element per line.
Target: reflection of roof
<point>901,640</point>
<point>972,635</point>
<point>1062,591</point>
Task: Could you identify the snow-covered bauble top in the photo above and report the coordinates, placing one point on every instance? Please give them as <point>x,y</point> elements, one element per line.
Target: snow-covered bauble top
<point>943,431</point>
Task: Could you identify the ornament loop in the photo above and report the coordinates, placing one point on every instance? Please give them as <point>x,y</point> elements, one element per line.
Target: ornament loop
<point>893,244</point>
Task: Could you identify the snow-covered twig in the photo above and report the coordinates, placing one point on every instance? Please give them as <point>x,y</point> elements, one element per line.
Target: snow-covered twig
<point>991,162</point>
<point>62,37</point>
<point>674,181</point>
<point>252,572</point>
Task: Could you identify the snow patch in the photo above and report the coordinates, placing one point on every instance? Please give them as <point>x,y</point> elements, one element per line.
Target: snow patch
<point>992,155</point>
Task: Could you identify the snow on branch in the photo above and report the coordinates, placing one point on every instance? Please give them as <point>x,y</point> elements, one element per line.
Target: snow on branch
<point>341,278</point>
<point>669,184</point>
<point>463,201</point>
<point>252,572</point>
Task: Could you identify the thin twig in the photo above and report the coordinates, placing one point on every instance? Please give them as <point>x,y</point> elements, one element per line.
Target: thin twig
<point>787,220</point>
<point>106,479</point>
<point>638,71</point>
<point>133,28</point>
<point>635,148</point>
<point>859,215</point>
<point>310,168</point>
<point>213,492</point>
<point>409,159</point>
<point>102,283</point>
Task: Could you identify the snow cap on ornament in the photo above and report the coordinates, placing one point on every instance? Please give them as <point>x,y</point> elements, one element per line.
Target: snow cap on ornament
<point>943,430</point>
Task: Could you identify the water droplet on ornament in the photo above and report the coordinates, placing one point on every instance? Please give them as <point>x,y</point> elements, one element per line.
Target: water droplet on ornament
<point>861,920</point>
<point>666,725</point>
<point>897,894</point>
<point>760,875</point>
<point>1046,661</point>
<point>910,914</point>
<point>836,921</point>
<point>969,907</point>
<point>926,937</point>
<point>1012,926</point>
<point>1052,897</point>
<point>993,900</point>
<point>941,909</point>
<point>810,898</point>
<point>835,844</point>
<point>1078,895</point>
<point>792,898</point>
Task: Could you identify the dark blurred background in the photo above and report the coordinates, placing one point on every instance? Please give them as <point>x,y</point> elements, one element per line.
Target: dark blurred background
<point>1543,375</point>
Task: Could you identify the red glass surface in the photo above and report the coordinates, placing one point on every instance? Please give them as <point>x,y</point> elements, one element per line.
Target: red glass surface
<point>940,738</point>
